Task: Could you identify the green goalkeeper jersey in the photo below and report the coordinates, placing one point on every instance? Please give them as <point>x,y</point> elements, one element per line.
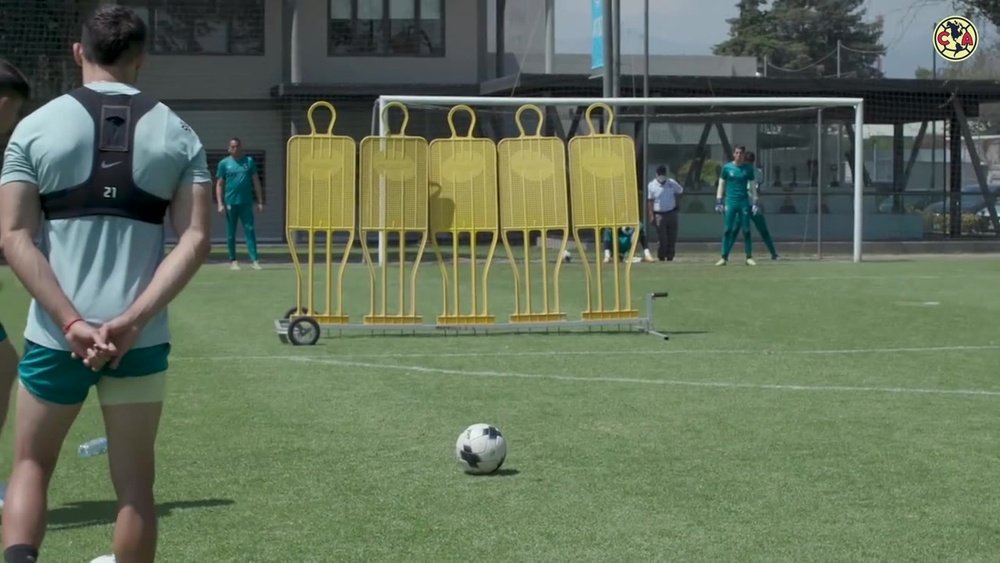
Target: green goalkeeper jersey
<point>737,178</point>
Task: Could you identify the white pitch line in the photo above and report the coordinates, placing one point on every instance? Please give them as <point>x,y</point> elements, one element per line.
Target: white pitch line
<point>860,277</point>
<point>715,384</point>
<point>846,351</point>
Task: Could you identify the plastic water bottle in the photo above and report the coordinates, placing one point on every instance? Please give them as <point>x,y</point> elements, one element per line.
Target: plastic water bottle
<point>97,446</point>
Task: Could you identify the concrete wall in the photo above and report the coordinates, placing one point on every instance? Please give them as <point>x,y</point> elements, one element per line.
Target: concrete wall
<point>802,227</point>
<point>249,77</point>
<point>259,131</point>
<point>220,77</point>
<point>464,38</point>
<point>667,65</point>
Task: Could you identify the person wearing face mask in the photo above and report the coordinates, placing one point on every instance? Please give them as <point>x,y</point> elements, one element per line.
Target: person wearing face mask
<point>662,199</point>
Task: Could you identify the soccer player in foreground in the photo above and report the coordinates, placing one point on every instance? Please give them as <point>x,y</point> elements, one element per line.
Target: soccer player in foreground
<point>758,217</point>
<point>94,172</point>
<point>736,184</point>
<point>14,91</point>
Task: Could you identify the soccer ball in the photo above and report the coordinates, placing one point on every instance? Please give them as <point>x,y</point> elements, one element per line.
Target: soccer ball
<point>480,449</point>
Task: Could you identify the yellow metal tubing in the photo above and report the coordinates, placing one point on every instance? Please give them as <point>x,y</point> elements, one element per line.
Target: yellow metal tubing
<point>462,171</point>
<point>534,199</point>
<point>320,175</point>
<point>604,198</point>
<point>394,200</point>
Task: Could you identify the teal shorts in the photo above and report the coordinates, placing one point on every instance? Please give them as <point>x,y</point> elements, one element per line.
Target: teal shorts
<point>54,376</point>
<point>3,333</point>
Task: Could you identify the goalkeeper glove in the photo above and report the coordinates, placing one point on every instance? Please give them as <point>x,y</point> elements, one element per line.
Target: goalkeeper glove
<point>719,208</point>
<point>755,209</point>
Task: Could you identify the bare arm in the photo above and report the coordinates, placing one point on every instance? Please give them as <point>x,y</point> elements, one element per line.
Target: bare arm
<point>20,210</point>
<point>721,189</point>
<point>190,215</point>
<point>218,192</point>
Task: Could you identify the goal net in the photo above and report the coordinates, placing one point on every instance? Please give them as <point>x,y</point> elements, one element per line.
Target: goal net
<point>809,192</point>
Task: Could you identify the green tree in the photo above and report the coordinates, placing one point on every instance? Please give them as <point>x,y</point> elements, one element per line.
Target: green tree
<point>801,35</point>
<point>983,65</point>
<point>989,9</point>
<point>747,32</point>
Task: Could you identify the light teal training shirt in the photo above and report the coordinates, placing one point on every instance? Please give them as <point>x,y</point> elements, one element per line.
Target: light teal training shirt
<point>102,263</point>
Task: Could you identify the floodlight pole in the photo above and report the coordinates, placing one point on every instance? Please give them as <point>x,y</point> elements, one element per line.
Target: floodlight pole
<point>606,43</point>
<point>616,47</point>
<point>645,54</point>
<point>859,124</point>
<point>645,119</point>
<point>550,35</point>
<point>934,126</point>
<point>617,51</point>
<point>840,129</point>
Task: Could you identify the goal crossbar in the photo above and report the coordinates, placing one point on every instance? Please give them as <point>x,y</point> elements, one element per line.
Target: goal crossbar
<point>857,104</point>
<point>699,102</point>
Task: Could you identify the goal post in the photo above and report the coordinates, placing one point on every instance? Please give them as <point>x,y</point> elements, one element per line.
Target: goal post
<point>380,126</point>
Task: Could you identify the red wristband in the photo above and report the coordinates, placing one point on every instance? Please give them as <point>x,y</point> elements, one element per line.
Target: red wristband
<point>70,324</point>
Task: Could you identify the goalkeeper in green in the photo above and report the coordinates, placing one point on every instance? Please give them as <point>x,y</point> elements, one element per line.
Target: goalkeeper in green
<point>758,217</point>
<point>739,192</point>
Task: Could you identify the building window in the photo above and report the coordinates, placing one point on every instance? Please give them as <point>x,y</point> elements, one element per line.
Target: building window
<point>214,156</point>
<point>393,28</point>
<point>203,27</point>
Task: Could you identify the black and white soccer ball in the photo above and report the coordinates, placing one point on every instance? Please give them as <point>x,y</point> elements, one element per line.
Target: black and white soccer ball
<point>480,449</point>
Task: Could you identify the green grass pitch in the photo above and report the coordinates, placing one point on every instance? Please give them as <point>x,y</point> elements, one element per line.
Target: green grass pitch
<point>800,411</point>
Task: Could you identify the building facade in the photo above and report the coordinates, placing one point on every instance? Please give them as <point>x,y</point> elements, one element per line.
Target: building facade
<point>251,68</point>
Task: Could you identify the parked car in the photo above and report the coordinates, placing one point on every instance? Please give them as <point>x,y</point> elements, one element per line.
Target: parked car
<point>971,199</point>
<point>974,210</point>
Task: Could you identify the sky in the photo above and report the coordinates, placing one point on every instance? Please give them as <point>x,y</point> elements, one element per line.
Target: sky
<point>681,27</point>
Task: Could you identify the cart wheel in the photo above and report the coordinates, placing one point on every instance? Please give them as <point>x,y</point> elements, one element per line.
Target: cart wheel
<point>297,311</point>
<point>303,331</point>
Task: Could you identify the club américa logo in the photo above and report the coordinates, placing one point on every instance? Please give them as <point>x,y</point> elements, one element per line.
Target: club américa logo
<point>955,38</point>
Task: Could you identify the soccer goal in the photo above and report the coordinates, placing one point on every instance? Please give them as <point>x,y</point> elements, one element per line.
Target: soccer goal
<point>808,171</point>
<point>539,182</point>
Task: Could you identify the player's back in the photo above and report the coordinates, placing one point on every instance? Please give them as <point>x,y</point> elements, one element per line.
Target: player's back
<point>103,230</point>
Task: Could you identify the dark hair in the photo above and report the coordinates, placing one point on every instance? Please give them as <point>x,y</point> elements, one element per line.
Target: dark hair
<point>238,141</point>
<point>662,170</point>
<point>113,34</point>
<point>751,156</point>
<point>12,80</point>
<point>740,147</point>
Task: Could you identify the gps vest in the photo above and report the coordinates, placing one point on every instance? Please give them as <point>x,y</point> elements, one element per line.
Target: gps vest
<point>111,188</point>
